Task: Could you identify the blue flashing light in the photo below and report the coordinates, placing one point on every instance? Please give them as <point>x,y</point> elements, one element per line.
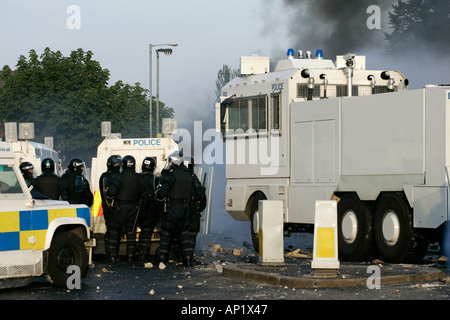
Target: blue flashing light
<point>290,53</point>
<point>319,54</point>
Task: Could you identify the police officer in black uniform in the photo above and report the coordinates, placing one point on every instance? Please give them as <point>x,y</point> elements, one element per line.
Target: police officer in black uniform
<point>198,201</point>
<point>176,187</point>
<point>27,170</point>
<point>127,192</point>
<point>107,178</point>
<point>77,185</point>
<point>150,213</point>
<point>48,183</point>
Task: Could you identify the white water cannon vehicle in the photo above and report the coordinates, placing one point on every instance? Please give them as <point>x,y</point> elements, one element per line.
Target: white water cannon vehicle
<point>314,129</point>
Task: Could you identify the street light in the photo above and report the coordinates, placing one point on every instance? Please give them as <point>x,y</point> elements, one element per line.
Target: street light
<point>166,52</point>
<point>151,46</point>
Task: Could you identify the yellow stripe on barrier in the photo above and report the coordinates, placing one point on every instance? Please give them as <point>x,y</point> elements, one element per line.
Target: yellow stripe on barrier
<point>325,242</point>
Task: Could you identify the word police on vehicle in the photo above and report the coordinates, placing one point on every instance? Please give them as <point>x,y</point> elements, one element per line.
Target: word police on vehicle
<point>147,142</point>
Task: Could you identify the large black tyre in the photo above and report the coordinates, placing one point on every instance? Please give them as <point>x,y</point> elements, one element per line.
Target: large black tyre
<point>254,219</point>
<point>66,249</point>
<point>355,231</point>
<point>395,238</point>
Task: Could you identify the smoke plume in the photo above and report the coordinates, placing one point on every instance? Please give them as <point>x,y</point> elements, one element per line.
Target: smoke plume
<point>339,27</point>
<point>335,26</point>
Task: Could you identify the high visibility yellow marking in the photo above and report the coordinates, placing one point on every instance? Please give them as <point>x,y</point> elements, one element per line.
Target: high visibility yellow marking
<point>96,206</point>
<point>61,213</point>
<point>9,221</point>
<point>325,243</point>
<point>39,239</point>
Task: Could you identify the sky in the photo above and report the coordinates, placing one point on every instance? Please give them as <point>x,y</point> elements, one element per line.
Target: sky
<point>209,34</point>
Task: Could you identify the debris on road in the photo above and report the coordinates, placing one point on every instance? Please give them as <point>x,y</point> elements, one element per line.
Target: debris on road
<point>298,253</point>
<point>237,252</point>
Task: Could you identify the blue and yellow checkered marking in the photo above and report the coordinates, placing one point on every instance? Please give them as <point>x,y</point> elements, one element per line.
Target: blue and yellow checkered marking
<point>22,230</point>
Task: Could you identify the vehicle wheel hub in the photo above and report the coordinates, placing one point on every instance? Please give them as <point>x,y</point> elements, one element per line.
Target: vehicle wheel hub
<point>391,228</point>
<point>255,225</point>
<point>349,226</point>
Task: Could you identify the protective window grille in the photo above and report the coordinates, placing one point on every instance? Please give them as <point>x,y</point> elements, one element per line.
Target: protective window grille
<point>382,89</point>
<point>302,91</point>
<point>341,91</point>
<point>276,110</point>
<point>259,114</point>
<point>238,115</point>
<point>364,90</point>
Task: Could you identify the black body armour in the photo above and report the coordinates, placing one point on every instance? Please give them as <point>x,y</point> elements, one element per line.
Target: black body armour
<point>48,186</point>
<point>181,189</point>
<point>130,187</point>
<point>70,180</point>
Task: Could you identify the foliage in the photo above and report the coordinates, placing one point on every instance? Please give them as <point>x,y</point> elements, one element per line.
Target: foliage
<point>69,97</point>
<point>225,75</point>
<point>419,22</point>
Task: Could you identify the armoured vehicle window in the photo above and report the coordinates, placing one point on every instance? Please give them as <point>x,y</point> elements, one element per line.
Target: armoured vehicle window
<point>8,180</point>
<point>238,115</point>
<point>276,110</point>
<point>302,91</point>
<point>382,89</point>
<point>341,91</point>
<point>259,114</point>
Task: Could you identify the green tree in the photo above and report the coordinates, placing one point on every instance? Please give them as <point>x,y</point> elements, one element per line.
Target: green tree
<point>419,22</point>
<point>129,106</point>
<point>225,75</point>
<point>69,97</point>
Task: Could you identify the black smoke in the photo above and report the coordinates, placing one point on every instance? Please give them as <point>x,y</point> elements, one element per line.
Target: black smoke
<point>335,26</point>
<point>339,27</point>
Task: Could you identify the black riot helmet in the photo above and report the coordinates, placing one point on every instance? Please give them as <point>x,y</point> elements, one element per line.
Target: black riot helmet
<point>27,170</point>
<point>149,164</point>
<point>190,161</point>
<point>128,162</point>
<point>114,162</point>
<point>76,165</point>
<point>48,165</point>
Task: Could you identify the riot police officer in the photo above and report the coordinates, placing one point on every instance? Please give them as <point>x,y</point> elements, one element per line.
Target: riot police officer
<point>48,183</point>
<point>77,185</point>
<point>176,187</point>
<point>27,170</point>
<point>127,192</point>
<point>198,201</point>
<point>107,178</point>
<point>150,213</point>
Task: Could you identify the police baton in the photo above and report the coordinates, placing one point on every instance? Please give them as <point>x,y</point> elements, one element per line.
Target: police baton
<point>137,214</point>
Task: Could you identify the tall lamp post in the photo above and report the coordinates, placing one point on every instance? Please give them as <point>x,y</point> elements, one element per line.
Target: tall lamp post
<point>166,52</point>
<point>151,46</point>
